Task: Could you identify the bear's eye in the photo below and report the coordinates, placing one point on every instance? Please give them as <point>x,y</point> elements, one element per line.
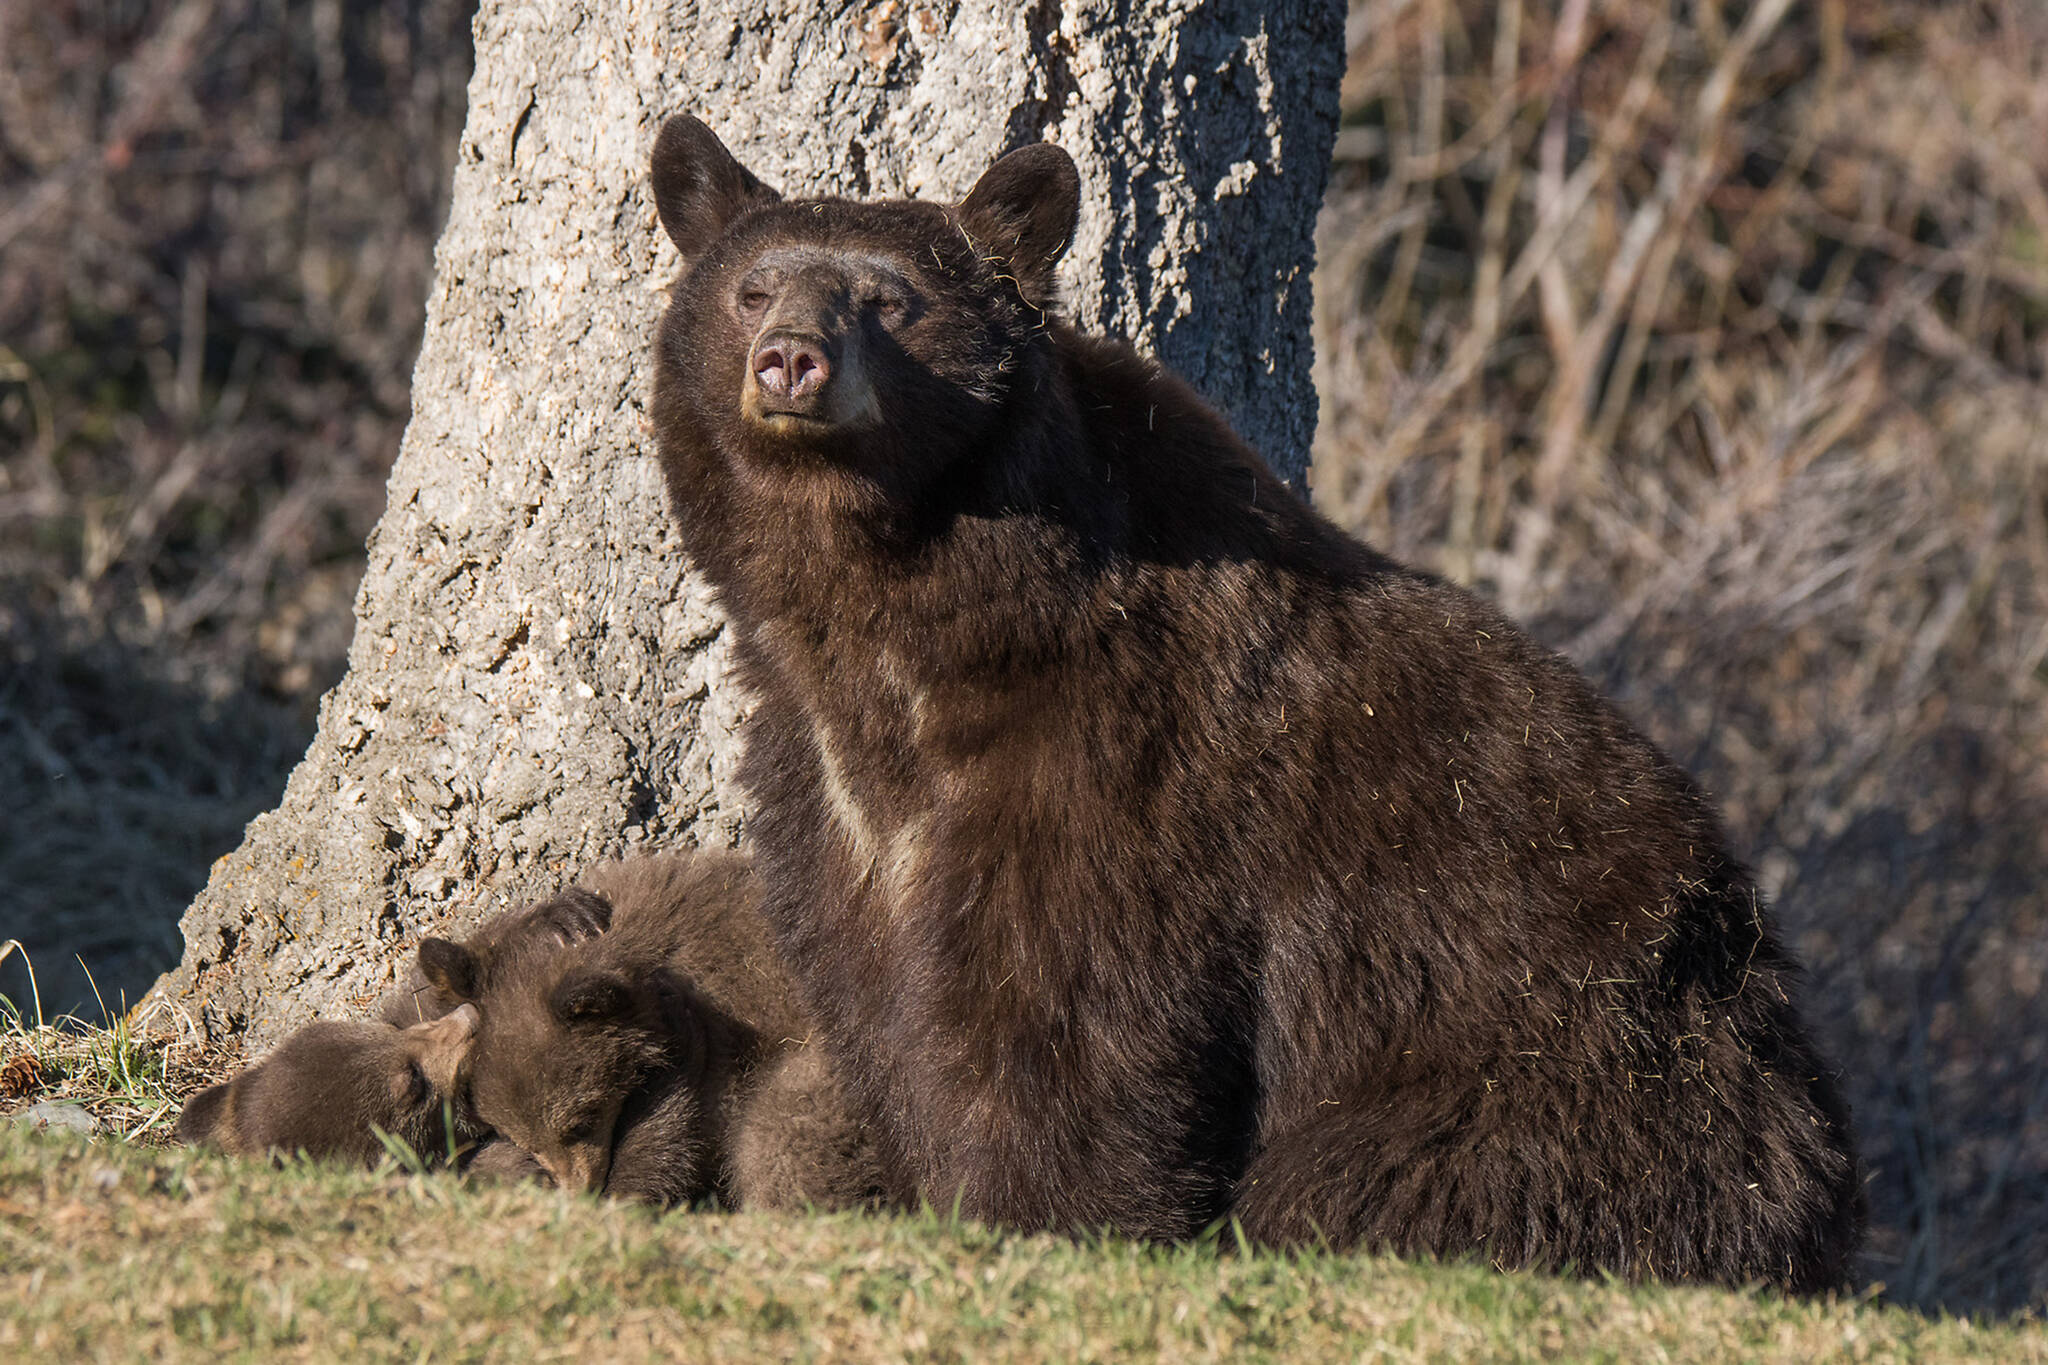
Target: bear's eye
<point>889,307</point>
<point>753,300</point>
<point>411,1086</point>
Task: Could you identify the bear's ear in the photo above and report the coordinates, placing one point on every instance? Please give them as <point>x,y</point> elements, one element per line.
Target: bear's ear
<point>1023,210</point>
<point>204,1114</point>
<point>576,915</point>
<point>451,967</point>
<point>589,997</point>
<point>437,1054</point>
<point>698,187</point>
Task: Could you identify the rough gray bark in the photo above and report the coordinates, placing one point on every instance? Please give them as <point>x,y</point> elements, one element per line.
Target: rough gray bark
<point>536,677</point>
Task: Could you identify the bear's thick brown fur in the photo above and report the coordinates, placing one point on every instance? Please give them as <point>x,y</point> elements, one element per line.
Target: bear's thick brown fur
<point>665,1058</point>
<point>793,1143</point>
<point>1147,849</point>
<point>797,1142</point>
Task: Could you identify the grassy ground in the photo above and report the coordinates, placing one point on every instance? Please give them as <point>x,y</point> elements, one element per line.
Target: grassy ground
<point>1711,339</point>
<point>126,1244</point>
<point>129,1076</point>
<point>115,1249</point>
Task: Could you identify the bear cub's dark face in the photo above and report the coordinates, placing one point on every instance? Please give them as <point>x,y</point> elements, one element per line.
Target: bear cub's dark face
<point>563,1046</point>
<point>877,339</point>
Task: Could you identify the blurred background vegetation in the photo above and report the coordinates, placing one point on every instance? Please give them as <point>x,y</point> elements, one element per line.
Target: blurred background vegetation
<point>1711,338</point>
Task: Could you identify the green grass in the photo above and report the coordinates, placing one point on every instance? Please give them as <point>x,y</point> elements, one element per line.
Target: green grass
<point>130,1077</point>
<point>132,1251</point>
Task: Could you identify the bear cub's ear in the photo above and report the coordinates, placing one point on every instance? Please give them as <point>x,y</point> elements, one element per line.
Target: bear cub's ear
<point>575,915</point>
<point>451,967</point>
<point>590,996</point>
<point>1023,210</point>
<point>698,187</point>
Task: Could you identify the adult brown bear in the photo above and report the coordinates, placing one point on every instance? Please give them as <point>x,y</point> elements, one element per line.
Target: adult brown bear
<point>1149,850</point>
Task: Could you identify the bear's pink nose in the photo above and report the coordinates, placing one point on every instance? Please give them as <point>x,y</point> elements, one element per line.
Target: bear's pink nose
<point>790,368</point>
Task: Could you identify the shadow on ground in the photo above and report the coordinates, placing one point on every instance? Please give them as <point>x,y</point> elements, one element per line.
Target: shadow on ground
<point>123,781</point>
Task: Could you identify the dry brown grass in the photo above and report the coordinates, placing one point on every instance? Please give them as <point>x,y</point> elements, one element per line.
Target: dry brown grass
<point>1710,338</point>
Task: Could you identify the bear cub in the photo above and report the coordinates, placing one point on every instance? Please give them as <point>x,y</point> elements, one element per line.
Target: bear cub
<point>1147,849</point>
<point>326,1089</point>
<point>664,1059</point>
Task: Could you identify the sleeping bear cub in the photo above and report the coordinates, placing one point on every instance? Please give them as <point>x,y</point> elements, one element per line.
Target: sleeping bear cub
<point>327,1090</point>
<point>665,1059</point>
<point>664,1063</point>
<point>1148,850</point>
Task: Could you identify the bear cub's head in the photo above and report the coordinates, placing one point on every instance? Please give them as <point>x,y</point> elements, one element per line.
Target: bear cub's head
<point>327,1089</point>
<point>881,339</point>
<point>571,915</point>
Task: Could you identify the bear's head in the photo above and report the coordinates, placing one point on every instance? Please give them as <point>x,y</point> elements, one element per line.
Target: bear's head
<point>876,344</point>
<point>564,1042</point>
<point>326,1090</point>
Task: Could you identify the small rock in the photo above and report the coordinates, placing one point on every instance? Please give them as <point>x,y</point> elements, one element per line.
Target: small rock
<point>56,1116</point>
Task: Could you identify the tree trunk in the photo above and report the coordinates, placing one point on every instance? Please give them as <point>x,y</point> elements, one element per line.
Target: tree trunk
<point>537,679</point>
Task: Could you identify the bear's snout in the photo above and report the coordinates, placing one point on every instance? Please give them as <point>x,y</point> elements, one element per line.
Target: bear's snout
<point>791,371</point>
